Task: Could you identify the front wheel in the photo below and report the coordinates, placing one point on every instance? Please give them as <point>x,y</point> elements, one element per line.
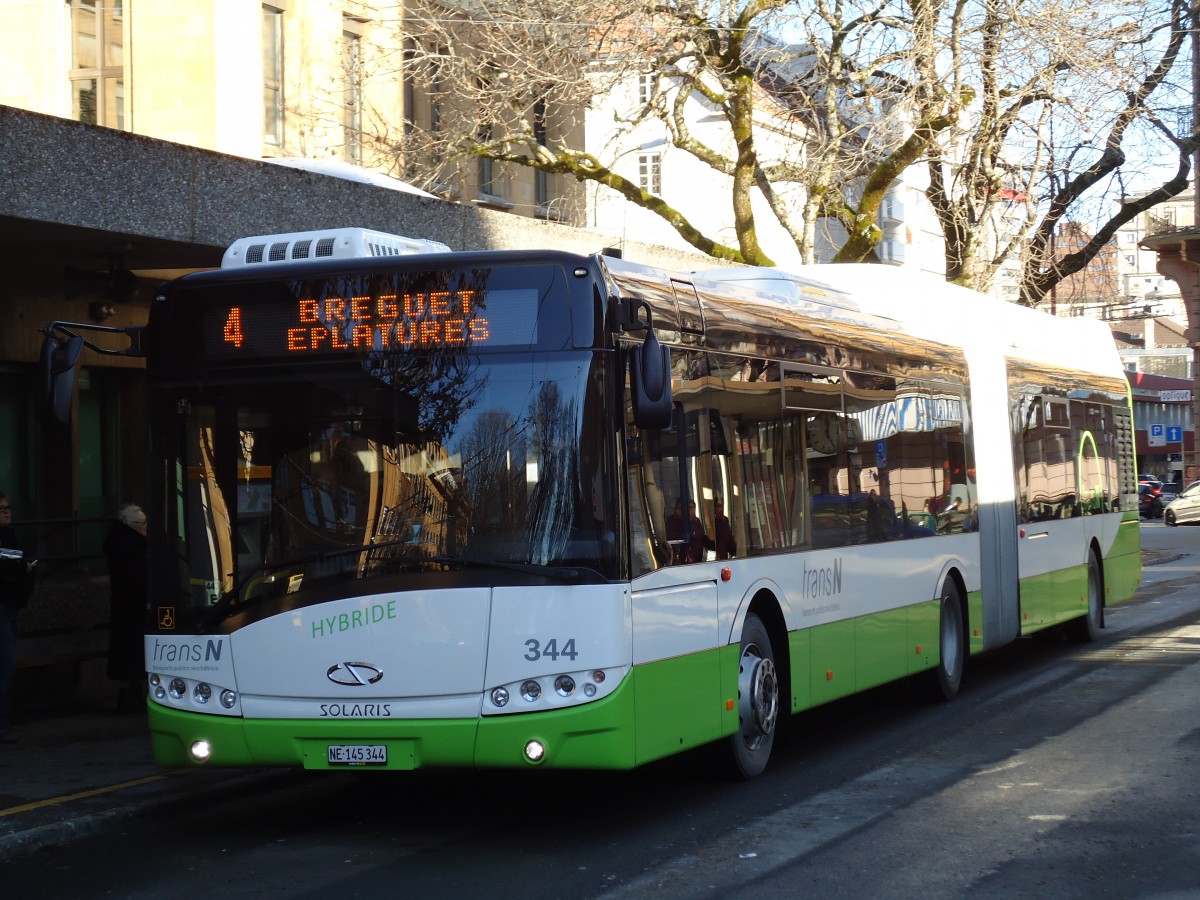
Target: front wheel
<point>758,701</point>
<point>952,629</point>
<point>1169,518</point>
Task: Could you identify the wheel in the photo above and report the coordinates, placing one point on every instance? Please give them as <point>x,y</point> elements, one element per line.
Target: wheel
<point>1169,518</point>
<point>1086,629</point>
<point>758,701</point>
<point>952,629</point>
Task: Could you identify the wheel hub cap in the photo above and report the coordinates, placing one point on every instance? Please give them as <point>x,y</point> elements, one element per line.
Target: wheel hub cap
<point>758,690</point>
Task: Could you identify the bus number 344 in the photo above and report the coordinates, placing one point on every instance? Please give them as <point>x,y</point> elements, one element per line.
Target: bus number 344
<point>536,650</point>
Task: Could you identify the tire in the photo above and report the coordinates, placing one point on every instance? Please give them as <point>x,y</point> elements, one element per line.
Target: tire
<point>1169,518</point>
<point>758,701</point>
<point>1086,629</point>
<point>952,641</point>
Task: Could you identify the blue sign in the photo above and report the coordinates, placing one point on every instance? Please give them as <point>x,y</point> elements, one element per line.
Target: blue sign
<point>1174,434</point>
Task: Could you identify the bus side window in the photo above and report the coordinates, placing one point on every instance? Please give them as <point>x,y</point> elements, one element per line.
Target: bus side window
<point>755,461</point>
<point>870,401</point>
<point>1046,460</point>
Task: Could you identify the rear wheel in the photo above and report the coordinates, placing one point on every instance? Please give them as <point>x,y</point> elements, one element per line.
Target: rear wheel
<point>953,643</point>
<point>1087,629</point>
<point>758,700</point>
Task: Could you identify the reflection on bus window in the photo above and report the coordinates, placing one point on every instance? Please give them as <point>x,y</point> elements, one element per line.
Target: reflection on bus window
<point>821,458</point>
<point>359,484</point>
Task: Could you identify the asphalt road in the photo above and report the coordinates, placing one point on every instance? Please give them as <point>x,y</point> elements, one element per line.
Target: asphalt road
<point>1060,771</point>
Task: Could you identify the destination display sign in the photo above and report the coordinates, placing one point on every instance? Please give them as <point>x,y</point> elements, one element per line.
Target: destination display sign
<point>345,316</point>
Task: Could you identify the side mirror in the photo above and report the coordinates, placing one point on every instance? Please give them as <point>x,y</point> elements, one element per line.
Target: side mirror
<point>650,383</point>
<point>59,358</point>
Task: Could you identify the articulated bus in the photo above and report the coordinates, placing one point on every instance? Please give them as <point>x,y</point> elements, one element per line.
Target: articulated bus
<point>421,508</point>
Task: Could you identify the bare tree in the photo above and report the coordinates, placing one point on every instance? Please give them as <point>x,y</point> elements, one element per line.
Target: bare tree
<point>1020,110</point>
<point>1064,89</point>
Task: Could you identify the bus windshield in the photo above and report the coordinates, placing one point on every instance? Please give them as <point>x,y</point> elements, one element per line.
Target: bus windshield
<point>282,480</point>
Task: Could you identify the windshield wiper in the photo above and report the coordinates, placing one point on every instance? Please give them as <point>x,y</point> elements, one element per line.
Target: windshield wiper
<point>559,573</point>
<point>233,602</point>
<point>233,597</point>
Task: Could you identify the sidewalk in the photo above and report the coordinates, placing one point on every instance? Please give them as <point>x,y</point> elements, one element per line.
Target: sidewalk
<point>75,770</point>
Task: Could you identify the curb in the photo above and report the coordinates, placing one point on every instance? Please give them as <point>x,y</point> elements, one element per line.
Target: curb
<point>1158,557</point>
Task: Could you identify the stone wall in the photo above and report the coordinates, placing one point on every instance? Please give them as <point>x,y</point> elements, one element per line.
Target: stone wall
<point>174,206</point>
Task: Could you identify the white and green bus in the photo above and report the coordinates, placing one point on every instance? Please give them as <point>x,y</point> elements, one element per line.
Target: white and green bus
<point>417,508</point>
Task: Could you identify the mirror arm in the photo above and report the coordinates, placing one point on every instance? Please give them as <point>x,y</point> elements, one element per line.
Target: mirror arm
<point>68,329</point>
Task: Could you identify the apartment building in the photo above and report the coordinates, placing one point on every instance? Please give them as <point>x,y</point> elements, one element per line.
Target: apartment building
<point>641,148</point>
<point>1144,289</point>
<point>288,79</point>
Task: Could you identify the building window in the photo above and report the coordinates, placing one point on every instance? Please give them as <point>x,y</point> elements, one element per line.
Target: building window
<point>409,87</point>
<point>436,91</point>
<point>352,112</point>
<point>650,173</point>
<point>487,167</point>
<point>98,63</point>
<point>646,85</point>
<point>541,135</point>
<point>272,64</point>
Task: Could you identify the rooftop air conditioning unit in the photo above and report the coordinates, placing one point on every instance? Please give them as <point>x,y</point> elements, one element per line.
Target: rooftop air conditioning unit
<point>332,243</point>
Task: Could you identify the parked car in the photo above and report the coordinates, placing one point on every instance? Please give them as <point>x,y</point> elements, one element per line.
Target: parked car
<point>1185,507</point>
<point>1150,504</point>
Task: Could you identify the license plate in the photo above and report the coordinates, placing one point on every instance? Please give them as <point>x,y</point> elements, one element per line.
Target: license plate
<point>357,754</point>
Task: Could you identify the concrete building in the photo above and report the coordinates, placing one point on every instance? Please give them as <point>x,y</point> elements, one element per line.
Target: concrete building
<point>1158,361</point>
<point>309,79</point>
<point>1165,432</point>
<point>1170,237</point>
<point>1144,289</point>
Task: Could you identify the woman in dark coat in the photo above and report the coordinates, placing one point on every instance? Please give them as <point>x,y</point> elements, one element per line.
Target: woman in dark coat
<point>125,548</point>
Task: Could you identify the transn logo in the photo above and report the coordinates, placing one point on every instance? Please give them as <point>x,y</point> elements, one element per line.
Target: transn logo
<point>194,652</point>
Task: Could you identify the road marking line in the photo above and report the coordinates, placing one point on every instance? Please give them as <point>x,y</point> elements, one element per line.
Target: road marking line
<point>95,792</point>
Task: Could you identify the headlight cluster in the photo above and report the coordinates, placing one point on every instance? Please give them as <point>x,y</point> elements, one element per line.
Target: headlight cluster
<point>552,691</point>
<point>194,696</point>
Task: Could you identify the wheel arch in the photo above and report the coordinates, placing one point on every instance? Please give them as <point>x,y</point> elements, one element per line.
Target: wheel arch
<point>765,604</point>
<point>954,573</point>
<point>1094,550</point>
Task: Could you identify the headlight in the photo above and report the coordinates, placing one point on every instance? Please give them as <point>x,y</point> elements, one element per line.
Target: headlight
<point>177,692</point>
<point>547,692</point>
<point>530,691</point>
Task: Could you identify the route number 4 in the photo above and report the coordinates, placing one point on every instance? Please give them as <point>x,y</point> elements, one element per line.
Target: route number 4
<point>233,327</point>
